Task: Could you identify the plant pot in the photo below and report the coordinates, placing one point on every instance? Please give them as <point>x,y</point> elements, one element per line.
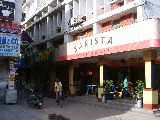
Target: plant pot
<point>103,97</point>
<point>97,95</point>
<point>139,102</point>
<point>78,93</point>
<point>109,96</point>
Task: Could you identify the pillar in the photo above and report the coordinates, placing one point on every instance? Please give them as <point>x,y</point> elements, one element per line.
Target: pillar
<point>52,76</point>
<point>72,66</point>
<point>150,93</point>
<point>103,62</point>
<point>39,77</point>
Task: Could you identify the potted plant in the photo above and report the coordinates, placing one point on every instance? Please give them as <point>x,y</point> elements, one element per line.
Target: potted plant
<point>139,92</point>
<point>79,87</point>
<point>139,88</point>
<point>107,89</point>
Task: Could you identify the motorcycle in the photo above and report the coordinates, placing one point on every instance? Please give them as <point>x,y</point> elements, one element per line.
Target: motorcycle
<point>35,98</point>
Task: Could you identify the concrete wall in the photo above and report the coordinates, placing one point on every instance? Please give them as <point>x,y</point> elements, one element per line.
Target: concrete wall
<point>3,78</point>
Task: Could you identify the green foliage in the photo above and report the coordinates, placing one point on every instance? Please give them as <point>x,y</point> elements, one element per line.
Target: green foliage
<point>107,84</point>
<point>120,84</point>
<point>78,84</point>
<point>139,87</point>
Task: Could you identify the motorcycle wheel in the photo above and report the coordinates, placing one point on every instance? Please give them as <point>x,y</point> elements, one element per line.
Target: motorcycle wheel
<point>28,102</point>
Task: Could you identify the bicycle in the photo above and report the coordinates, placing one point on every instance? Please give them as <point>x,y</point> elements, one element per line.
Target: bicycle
<point>60,99</point>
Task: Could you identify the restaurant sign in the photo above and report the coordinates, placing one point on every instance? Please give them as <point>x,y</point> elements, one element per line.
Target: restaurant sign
<point>122,39</point>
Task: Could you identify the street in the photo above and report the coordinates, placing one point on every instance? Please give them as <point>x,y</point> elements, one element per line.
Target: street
<point>73,109</point>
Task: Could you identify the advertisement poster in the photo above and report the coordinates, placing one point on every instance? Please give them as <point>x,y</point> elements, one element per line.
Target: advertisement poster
<point>9,44</point>
<point>7,8</point>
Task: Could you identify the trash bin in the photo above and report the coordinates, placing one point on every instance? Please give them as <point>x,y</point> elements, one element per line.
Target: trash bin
<point>103,98</point>
<point>139,102</point>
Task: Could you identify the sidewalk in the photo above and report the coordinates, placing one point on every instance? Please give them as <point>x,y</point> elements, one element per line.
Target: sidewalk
<point>12,112</point>
<point>77,108</point>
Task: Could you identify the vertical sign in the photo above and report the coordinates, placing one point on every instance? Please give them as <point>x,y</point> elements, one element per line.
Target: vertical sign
<point>26,40</point>
<point>11,84</point>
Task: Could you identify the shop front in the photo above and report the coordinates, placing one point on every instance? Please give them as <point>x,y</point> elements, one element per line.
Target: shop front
<point>124,48</point>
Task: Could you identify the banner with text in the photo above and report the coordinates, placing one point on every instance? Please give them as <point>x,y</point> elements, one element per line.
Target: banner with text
<point>9,44</point>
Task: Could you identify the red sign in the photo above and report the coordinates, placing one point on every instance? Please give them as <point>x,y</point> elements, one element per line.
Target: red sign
<point>9,27</point>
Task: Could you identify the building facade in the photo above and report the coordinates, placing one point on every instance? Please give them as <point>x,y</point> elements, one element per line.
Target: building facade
<point>93,36</point>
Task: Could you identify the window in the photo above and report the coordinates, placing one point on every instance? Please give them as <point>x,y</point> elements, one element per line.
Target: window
<point>134,17</point>
<point>23,17</point>
<point>116,24</point>
<point>120,4</point>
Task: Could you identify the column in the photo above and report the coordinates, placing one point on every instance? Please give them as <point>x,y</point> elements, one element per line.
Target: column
<point>97,28</point>
<point>103,62</point>
<point>150,93</point>
<point>49,26</point>
<point>52,76</point>
<point>72,66</point>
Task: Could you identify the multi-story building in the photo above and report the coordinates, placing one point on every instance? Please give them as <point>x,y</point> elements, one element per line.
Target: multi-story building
<point>89,39</point>
<point>10,36</point>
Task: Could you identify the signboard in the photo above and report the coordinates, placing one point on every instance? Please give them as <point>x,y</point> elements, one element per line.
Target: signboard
<point>10,84</point>
<point>7,8</point>
<point>10,27</point>
<point>26,40</point>
<point>20,63</point>
<point>132,37</point>
<point>12,72</point>
<point>9,44</point>
<point>11,78</point>
<point>45,56</point>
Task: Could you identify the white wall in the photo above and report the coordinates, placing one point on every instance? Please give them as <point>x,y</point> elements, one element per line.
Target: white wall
<point>18,12</point>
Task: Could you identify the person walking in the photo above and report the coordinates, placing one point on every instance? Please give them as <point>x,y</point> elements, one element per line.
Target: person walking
<point>58,88</point>
<point>126,86</point>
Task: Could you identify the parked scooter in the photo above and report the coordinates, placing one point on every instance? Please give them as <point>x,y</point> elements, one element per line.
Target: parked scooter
<point>35,99</point>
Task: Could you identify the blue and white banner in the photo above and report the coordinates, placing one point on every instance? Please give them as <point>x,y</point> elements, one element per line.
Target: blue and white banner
<point>9,44</point>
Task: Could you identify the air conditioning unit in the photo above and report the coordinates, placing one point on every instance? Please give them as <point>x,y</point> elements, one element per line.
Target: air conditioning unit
<point>73,21</point>
<point>79,18</point>
<point>43,37</point>
<point>58,29</point>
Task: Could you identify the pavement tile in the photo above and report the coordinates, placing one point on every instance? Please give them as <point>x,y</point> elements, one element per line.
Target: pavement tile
<point>77,108</point>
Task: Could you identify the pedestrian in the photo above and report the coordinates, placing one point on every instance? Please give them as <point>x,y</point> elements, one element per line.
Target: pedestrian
<point>58,87</point>
<point>126,86</point>
<point>18,85</point>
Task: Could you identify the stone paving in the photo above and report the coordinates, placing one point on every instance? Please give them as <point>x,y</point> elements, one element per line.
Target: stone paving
<point>77,108</point>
